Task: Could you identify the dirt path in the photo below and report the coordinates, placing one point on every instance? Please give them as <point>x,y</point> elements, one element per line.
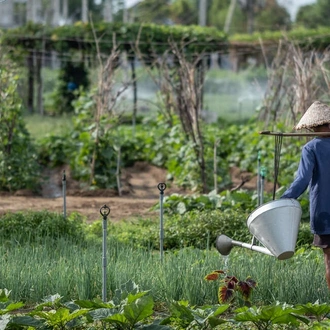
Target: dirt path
<point>139,194</point>
<point>121,208</point>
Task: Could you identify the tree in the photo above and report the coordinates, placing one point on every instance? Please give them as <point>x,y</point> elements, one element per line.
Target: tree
<point>75,10</point>
<point>308,16</point>
<point>184,12</point>
<point>322,12</point>
<point>314,15</point>
<point>250,9</point>
<point>250,15</point>
<point>218,14</point>
<point>152,11</point>
<point>273,17</point>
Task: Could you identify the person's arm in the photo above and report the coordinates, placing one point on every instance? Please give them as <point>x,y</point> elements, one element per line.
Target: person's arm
<point>304,175</point>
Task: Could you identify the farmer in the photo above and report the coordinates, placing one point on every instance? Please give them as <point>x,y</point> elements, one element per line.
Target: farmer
<point>314,171</point>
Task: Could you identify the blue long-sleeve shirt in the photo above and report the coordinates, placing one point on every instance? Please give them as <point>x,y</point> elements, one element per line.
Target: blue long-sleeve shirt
<point>314,171</point>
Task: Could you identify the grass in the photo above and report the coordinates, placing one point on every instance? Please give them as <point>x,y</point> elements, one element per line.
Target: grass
<point>40,126</point>
<point>35,271</point>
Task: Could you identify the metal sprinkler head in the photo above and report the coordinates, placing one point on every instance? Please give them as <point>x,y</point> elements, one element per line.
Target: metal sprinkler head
<point>224,244</point>
<point>105,211</point>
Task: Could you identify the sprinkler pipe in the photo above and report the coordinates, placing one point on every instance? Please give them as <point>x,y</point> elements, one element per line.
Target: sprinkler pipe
<point>64,193</point>
<point>161,187</point>
<point>105,211</point>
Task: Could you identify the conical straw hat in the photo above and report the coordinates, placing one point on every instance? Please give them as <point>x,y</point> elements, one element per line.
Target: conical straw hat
<point>317,114</point>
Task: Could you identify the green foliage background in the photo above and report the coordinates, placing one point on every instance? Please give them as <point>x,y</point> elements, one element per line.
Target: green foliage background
<point>19,168</point>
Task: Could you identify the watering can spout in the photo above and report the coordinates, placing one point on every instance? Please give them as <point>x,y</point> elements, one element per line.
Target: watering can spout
<point>224,244</point>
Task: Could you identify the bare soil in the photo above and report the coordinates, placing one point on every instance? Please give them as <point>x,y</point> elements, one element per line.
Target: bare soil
<point>139,192</point>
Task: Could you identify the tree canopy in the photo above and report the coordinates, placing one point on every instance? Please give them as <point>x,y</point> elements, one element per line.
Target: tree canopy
<point>247,16</point>
<point>314,15</point>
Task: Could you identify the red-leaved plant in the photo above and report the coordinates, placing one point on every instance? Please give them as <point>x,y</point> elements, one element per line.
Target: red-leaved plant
<point>229,285</point>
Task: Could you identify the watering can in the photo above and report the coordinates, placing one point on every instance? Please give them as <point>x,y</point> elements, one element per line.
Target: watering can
<point>274,224</point>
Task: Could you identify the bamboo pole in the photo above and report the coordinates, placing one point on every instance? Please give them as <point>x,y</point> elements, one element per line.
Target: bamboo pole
<point>295,134</point>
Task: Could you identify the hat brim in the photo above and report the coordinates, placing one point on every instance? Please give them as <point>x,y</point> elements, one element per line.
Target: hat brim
<point>317,114</point>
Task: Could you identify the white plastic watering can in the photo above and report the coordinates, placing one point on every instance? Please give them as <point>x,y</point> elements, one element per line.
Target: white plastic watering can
<point>275,225</point>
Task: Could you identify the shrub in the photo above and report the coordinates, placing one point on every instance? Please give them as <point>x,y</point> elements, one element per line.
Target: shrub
<point>18,159</point>
<point>200,229</point>
<point>195,229</point>
<point>37,226</point>
<point>55,150</point>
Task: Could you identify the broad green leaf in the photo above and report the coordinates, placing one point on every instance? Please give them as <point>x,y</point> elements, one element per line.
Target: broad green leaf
<point>182,310</point>
<point>132,297</point>
<point>301,318</point>
<point>93,304</point>
<point>26,321</point>
<point>117,319</point>
<point>121,294</point>
<point>214,321</point>
<point>204,199</point>
<point>139,310</point>
<point>221,309</point>
<point>60,316</point>
<point>57,317</point>
<point>316,309</point>
<point>204,314</point>
<point>275,314</point>
<point>102,313</point>
<point>10,307</point>
<point>74,315</point>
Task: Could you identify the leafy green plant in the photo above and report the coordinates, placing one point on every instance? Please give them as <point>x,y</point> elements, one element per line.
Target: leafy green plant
<point>128,309</point>
<point>54,150</point>
<point>60,318</point>
<point>184,316</point>
<point>113,136</point>
<point>181,204</point>
<point>265,317</point>
<point>319,311</point>
<point>51,313</point>
<point>6,305</point>
<point>230,285</point>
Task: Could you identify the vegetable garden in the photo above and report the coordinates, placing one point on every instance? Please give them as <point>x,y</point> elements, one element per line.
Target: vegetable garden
<point>50,266</point>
